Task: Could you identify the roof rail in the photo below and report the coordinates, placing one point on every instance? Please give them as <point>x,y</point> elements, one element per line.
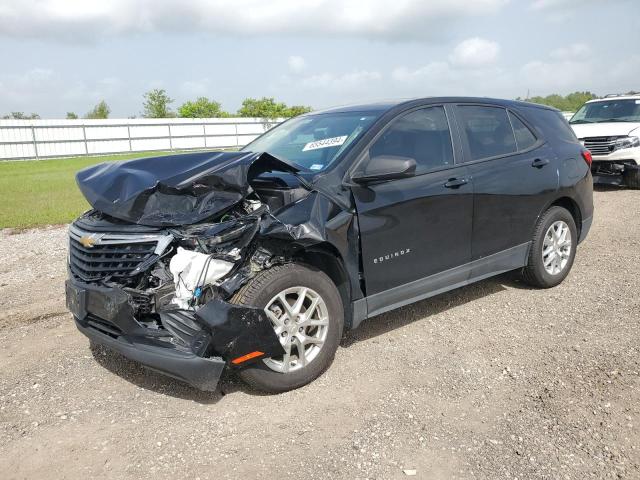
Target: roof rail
<point>630,94</point>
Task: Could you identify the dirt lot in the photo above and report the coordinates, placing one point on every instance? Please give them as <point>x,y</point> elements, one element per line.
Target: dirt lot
<point>490,381</point>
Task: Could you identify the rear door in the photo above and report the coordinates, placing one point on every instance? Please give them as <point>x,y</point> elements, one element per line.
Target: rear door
<point>514,176</point>
<point>414,227</point>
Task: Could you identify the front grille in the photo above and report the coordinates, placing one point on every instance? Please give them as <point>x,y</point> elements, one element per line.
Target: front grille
<point>600,145</point>
<point>102,261</point>
<point>109,255</point>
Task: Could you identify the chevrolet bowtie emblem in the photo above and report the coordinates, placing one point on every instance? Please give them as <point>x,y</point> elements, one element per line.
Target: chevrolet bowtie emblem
<point>88,241</point>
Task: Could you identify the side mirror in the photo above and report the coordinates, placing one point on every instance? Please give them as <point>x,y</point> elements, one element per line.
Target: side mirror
<point>385,167</point>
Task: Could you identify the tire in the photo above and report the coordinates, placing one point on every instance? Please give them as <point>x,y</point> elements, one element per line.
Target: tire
<point>535,273</point>
<point>271,375</point>
<point>632,178</point>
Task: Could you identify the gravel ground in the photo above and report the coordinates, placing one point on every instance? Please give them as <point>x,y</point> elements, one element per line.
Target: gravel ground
<point>492,381</point>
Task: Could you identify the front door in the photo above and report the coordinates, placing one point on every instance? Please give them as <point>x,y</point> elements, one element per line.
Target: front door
<point>416,227</point>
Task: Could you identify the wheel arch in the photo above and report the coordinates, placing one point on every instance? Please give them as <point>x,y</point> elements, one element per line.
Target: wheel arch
<point>571,206</point>
<point>326,258</point>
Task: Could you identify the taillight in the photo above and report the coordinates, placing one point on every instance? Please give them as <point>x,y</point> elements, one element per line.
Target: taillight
<point>586,154</point>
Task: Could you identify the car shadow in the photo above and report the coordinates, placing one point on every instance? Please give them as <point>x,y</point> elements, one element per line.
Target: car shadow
<point>142,377</point>
<point>148,379</point>
<point>429,307</point>
<point>608,188</point>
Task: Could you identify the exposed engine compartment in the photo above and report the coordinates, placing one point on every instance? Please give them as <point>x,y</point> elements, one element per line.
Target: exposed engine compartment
<point>170,241</point>
<point>168,268</point>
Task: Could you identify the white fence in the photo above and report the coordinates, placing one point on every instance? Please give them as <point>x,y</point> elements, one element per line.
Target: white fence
<point>35,139</point>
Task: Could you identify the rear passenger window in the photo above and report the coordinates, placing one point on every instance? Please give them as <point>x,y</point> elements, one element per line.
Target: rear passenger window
<point>524,138</point>
<point>488,131</point>
<point>422,135</point>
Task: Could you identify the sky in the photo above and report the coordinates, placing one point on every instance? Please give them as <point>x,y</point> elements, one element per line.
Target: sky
<point>66,55</point>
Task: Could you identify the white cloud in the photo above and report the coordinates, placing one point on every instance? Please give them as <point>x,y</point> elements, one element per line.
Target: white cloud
<point>475,52</point>
<point>555,76</point>
<point>344,81</point>
<point>470,70</point>
<point>296,64</point>
<point>434,71</point>
<point>560,11</point>
<point>561,4</point>
<point>576,51</point>
<point>376,19</point>
<point>192,88</point>
<point>35,88</point>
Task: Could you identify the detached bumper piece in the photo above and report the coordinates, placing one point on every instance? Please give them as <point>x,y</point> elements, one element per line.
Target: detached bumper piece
<point>616,173</point>
<point>193,348</point>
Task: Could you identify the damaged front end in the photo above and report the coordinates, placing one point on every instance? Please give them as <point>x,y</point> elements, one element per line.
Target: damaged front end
<point>153,268</point>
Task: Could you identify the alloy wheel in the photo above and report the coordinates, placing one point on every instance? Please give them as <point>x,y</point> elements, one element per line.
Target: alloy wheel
<point>556,247</point>
<point>300,319</point>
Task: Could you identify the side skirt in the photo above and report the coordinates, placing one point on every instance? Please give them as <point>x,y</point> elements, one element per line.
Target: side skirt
<point>510,259</point>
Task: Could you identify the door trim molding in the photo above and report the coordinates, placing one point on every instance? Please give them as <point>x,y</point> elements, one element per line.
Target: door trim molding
<point>476,270</point>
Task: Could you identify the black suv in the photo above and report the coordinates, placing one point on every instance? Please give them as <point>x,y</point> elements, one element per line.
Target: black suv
<point>257,260</point>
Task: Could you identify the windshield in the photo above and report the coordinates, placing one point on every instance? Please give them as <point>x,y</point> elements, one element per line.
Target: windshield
<point>627,110</point>
<point>314,142</point>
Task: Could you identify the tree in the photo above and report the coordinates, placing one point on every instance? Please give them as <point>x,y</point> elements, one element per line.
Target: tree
<point>269,108</point>
<point>296,110</point>
<point>569,103</point>
<point>21,116</point>
<point>261,108</point>
<point>72,116</point>
<point>101,110</point>
<point>156,104</point>
<point>202,107</point>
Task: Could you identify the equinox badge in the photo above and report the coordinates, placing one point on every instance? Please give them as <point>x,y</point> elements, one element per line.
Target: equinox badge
<point>390,256</point>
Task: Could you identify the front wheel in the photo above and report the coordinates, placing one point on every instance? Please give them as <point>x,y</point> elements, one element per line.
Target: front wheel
<point>306,313</point>
<point>553,249</point>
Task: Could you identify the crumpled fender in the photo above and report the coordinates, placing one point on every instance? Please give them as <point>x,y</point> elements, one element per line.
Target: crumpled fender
<point>318,219</point>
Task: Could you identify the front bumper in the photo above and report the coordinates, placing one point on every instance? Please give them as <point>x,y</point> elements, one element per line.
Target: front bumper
<point>201,373</point>
<point>192,347</point>
<point>613,169</point>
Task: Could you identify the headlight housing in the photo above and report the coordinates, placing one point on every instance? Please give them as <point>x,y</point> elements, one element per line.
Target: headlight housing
<point>627,142</point>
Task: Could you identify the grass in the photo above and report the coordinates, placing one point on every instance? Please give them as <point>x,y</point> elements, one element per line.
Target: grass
<point>44,192</point>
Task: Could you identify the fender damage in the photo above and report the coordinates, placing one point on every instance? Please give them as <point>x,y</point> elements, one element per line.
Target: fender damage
<point>225,225</point>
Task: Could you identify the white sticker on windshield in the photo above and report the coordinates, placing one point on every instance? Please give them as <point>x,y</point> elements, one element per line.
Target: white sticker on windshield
<point>316,166</point>
<point>325,143</point>
<point>638,102</point>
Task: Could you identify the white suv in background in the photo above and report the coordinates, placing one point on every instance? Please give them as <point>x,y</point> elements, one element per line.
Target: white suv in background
<point>609,127</point>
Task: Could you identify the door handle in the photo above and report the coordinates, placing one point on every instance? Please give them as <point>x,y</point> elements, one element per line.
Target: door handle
<point>539,162</point>
<point>456,182</point>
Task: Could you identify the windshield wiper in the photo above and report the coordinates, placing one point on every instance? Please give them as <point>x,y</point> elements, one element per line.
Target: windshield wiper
<point>608,120</point>
<point>303,181</point>
<point>580,121</point>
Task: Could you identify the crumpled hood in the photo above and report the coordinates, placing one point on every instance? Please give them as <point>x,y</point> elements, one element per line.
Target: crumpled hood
<point>174,190</point>
<point>610,129</point>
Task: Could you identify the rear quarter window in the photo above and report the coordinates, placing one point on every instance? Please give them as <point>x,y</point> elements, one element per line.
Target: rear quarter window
<point>525,139</point>
<point>551,123</point>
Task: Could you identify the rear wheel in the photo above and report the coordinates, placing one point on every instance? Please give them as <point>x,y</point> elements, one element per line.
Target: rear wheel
<point>553,249</point>
<point>306,313</point>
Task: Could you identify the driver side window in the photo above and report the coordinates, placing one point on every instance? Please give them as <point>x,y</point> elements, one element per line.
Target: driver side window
<point>422,135</point>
